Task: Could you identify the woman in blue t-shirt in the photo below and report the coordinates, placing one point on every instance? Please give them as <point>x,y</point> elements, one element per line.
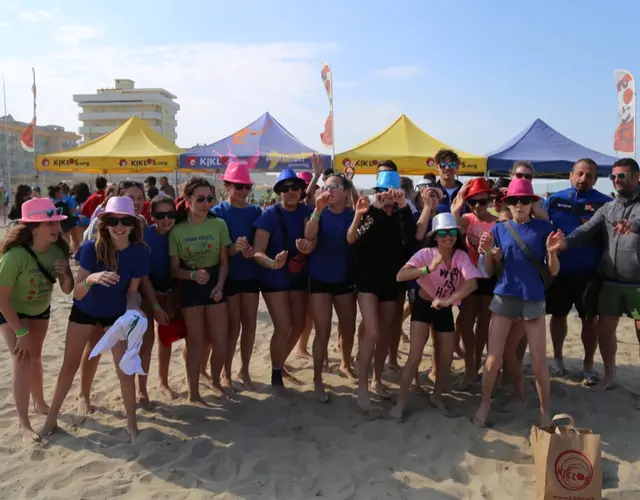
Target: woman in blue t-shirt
<point>242,287</point>
<point>519,292</point>
<point>280,248</point>
<point>330,282</point>
<point>108,281</point>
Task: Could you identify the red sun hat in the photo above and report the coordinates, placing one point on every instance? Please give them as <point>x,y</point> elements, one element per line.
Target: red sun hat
<point>478,185</point>
<point>519,188</point>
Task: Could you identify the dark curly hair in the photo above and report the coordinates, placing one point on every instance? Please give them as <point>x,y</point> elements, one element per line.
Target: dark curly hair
<point>446,154</point>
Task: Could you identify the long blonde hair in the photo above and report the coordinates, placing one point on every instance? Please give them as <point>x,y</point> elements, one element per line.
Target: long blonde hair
<point>105,249</point>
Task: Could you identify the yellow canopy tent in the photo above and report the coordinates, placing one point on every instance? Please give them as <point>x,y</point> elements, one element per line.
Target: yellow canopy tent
<point>409,147</point>
<point>133,147</point>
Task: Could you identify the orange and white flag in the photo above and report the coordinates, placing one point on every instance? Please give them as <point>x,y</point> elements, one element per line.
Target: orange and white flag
<point>27,139</point>
<point>327,80</point>
<point>625,135</point>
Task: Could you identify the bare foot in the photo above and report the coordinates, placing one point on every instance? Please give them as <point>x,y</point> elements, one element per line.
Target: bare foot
<point>303,353</point>
<point>405,338</point>
<point>397,412</point>
<point>167,393</point>
<point>437,402</point>
<point>395,367</point>
<point>347,371</point>
<point>432,376</point>
<point>363,399</point>
<point>133,433</point>
<point>225,383</point>
<point>607,383</point>
<point>381,390</point>
<point>205,379</point>
<point>245,378</point>
<point>321,393</point>
<point>220,392</point>
<point>545,420</point>
<point>49,427</point>
<point>42,408</point>
<point>144,402</point>
<point>84,407</point>
<point>480,418</point>
<point>198,401</point>
<point>28,434</point>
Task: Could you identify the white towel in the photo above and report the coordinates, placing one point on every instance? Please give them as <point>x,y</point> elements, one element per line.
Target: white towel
<point>130,328</point>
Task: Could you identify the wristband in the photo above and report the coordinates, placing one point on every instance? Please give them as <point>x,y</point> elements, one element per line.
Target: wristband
<point>192,275</point>
<point>315,216</point>
<point>155,306</point>
<point>272,264</point>
<point>86,284</point>
<point>425,270</point>
<point>22,332</point>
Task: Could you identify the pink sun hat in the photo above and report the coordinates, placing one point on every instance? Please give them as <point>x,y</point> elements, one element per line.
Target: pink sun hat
<point>40,210</point>
<point>307,177</point>
<point>238,173</point>
<point>119,205</point>
<point>521,187</point>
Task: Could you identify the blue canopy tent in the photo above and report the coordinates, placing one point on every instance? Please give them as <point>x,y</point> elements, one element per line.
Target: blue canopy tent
<point>551,153</point>
<point>264,140</point>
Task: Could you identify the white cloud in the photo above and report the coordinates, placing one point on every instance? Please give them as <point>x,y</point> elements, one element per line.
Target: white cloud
<point>75,33</point>
<point>22,10</point>
<point>4,24</point>
<point>398,72</point>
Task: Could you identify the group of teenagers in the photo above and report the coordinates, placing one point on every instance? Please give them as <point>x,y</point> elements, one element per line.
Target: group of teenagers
<point>196,270</point>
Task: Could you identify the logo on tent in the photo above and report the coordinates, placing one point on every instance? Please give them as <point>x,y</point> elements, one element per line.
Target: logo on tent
<point>347,163</point>
<point>123,163</point>
<point>191,161</point>
<point>45,162</point>
<point>431,163</point>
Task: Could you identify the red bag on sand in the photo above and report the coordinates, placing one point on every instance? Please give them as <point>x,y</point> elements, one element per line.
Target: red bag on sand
<point>568,462</point>
<point>174,331</point>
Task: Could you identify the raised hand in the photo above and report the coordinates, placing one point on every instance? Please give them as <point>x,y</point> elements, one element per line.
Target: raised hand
<point>625,226</point>
<point>399,197</point>
<point>555,242</point>
<point>379,199</point>
<point>322,201</point>
<point>486,242</point>
<point>61,267</point>
<point>362,205</point>
<point>317,164</point>
<point>303,246</point>
<point>280,260</point>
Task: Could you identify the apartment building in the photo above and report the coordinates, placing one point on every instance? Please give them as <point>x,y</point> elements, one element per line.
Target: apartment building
<point>49,139</point>
<point>110,107</point>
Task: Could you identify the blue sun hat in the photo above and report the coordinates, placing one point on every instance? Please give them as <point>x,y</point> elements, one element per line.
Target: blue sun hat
<point>288,175</point>
<point>388,179</point>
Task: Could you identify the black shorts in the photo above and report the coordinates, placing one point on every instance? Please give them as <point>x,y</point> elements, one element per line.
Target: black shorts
<point>334,289</point>
<point>234,287</point>
<point>567,290</point>
<point>82,318</point>
<point>485,287</point>
<point>298,283</point>
<point>384,292</point>
<point>46,314</point>
<point>441,319</point>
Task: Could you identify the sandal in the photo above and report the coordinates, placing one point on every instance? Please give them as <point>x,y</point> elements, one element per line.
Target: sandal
<point>590,378</point>
<point>557,369</point>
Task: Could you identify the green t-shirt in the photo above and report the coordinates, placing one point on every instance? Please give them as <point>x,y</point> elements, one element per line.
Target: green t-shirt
<point>199,246</point>
<point>31,289</point>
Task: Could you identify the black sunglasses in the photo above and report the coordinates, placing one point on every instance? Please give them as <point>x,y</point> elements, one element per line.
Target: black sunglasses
<point>208,199</point>
<point>380,190</point>
<point>520,175</point>
<point>164,215</point>
<point>290,187</point>
<point>483,202</point>
<point>524,200</point>
<point>621,176</point>
<point>114,221</point>
<point>242,186</point>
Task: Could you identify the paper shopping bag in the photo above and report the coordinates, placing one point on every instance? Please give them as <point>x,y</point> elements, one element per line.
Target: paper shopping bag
<point>568,462</point>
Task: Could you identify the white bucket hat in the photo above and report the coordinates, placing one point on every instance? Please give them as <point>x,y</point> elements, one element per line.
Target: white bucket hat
<point>444,221</point>
<point>424,183</point>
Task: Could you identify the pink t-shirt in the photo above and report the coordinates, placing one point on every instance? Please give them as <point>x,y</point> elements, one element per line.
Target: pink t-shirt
<point>475,228</point>
<point>441,283</point>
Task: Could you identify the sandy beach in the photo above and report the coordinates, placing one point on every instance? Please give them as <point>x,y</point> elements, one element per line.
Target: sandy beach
<point>260,446</point>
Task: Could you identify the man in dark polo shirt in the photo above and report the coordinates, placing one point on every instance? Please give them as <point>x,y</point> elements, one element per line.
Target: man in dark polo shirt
<point>578,282</point>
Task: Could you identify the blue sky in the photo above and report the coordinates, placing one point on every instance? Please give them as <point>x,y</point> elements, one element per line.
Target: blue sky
<point>471,73</point>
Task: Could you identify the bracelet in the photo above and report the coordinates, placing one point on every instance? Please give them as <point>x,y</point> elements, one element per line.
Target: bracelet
<point>22,332</point>
<point>155,306</point>
<point>315,216</point>
<point>86,284</point>
<point>425,270</point>
<point>272,264</point>
<point>192,275</point>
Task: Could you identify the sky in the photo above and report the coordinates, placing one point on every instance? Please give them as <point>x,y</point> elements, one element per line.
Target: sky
<point>471,73</point>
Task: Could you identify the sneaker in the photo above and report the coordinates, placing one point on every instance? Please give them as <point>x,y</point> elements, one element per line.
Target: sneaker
<point>557,368</point>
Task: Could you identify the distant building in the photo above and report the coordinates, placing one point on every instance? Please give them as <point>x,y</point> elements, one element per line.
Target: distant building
<point>49,139</point>
<point>109,108</point>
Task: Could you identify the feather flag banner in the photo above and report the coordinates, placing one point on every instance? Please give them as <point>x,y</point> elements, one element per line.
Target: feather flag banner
<point>327,80</point>
<point>624,141</point>
<point>28,137</point>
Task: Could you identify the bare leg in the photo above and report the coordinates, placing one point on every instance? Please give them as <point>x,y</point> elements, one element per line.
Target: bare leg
<point>145,356</point>
<point>37,332</point>
<point>217,324</point>
<point>194,319</point>
<point>88,369</point>
<point>558,327</point>
<point>396,335</point>
<point>482,329</point>
<point>298,305</point>
<point>128,389</point>
<point>418,339</point>
<point>447,343</point>
<point>433,374</point>
<point>20,385</point>
<point>278,306</point>
<point>370,327</point>
<point>303,343</point>
<point>608,346</point>
<point>466,322</point>
<point>249,319</point>
<point>164,359</point>
<point>590,343</point>
<point>513,366</point>
<point>388,317</point>
<point>346,310</point>
<point>234,306</point>
<point>205,361</point>
<point>537,336</point>
<point>321,311</point>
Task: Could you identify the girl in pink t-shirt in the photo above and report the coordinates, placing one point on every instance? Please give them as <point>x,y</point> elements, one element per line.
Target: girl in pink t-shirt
<point>446,276</point>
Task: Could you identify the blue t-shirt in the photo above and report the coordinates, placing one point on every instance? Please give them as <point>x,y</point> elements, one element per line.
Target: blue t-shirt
<point>71,203</point>
<point>568,210</point>
<point>240,223</point>
<point>102,301</point>
<point>270,222</point>
<point>520,279</point>
<point>160,263</point>
<point>329,261</point>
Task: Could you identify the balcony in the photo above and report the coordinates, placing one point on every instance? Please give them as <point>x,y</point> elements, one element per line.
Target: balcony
<point>94,131</point>
<point>121,115</point>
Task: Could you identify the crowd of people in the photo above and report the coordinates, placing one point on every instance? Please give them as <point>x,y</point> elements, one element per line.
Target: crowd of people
<point>195,268</point>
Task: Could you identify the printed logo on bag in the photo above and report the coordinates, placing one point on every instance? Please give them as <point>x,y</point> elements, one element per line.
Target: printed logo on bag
<point>573,470</point>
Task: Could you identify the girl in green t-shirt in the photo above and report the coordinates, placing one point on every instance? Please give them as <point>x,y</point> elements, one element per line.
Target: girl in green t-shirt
<point>33,256</point>
<point>199,261</point>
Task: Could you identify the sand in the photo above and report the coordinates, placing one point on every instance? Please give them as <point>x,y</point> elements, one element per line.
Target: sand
<point>260,446</point>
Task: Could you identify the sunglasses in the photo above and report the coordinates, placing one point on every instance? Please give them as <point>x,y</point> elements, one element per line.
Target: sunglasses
<point>380,190</point>
<point>520,175</point>
<point>164,215</point>
<point>619,177</point>
<point>443,233</point>
<point>523,200</point>
<point>451,164</point>
<point>208,199</point>
<point>483,202</point>
<point>239,186</point>
<point>49,213</point>
<point>290,187</point>
<point>114,221</point>
<point>334,187</point>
